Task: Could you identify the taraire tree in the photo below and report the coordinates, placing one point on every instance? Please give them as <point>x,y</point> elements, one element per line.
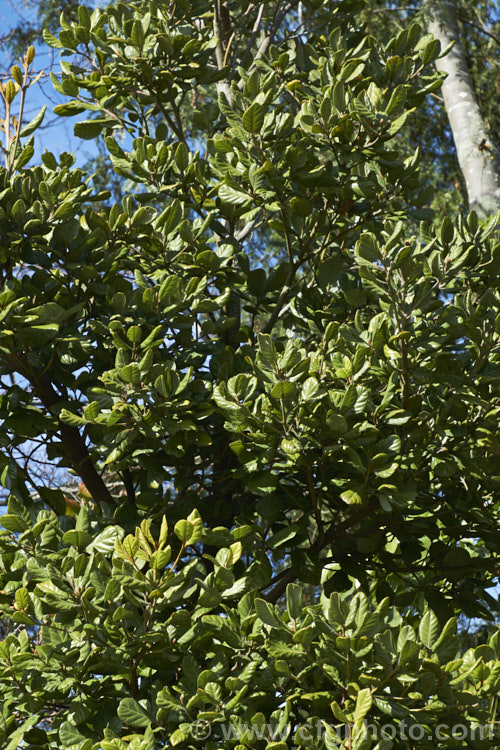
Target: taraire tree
<point>330,414</point>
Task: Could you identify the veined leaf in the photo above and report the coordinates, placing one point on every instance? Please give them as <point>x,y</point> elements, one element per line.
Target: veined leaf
<point>253,118</point>
<point>429,629</point>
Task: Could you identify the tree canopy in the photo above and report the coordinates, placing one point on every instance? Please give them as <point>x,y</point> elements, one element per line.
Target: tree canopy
<point>273,373</point>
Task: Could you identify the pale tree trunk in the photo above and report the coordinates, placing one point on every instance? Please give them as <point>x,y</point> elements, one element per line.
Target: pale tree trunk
<point>477,156</point>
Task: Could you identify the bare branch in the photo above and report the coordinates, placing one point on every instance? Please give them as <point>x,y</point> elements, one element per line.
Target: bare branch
<point>253,35</point>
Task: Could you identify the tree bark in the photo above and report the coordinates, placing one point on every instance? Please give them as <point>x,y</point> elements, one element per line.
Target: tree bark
<point>477,156</point>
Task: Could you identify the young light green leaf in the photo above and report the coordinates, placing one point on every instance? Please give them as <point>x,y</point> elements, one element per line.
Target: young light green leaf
<point>428,629</point>
<point>184,531</point>
<point>34,123</point>
<point>363,704</point>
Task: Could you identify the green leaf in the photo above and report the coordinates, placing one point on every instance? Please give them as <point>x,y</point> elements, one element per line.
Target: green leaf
<point>22,598</point>
<point>132,374</point>
<point>132,713</point>
<point>91,411</point>
<point>447,231</point>
<point>143,216</point>
<point>446,645</point>
<point>368,247</point>
<point>170,218</point>
<point>34,123</point>
<point>329,272</point>
<point>69,735</point>
<point>262,482</point>
<point>294,600</point>
<point>54,498</point>
<point>183,530</point>
<point>228,194</point>
<point>428,629</point>
<point>182,156</point>
<point>339,96</point>
<point>431,51</point>
<point>17,75</point>
<point>301,206</point>
<point>19,211</point>
<point>178,736</point>
<point>14,523</point>
<point>337,423</point>
<point>283,389</point>
<point>51,40</point>
<point>162,540</point>
<point>253,118</point>
<point>310,388</point>
<point>25,156</point>
<point>171,290</point>
<point>105,541</point>
<point>363,704</point>
<point>351,497</point>
<point>90,129</point>
<point>397,124</point>
<point>338,713</point>
<point>76,538</point>
<point>68,109</point>
<point>72,419</point>
<point>16,738</point>
<point>351,70</point>
<point>266,613</point>
<point>64,211</point>
<point>252,86</point>
<point>134,334</point>
<point>268,356</point>
<point>283,536</point>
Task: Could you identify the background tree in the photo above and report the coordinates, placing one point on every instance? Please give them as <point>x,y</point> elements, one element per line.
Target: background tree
<point>477,155</point>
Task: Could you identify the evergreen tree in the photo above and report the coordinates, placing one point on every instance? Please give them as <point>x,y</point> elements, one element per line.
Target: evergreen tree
<point>241,426</point>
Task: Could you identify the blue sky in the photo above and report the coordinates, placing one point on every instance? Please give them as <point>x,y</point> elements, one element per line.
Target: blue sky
<point>56,135</point>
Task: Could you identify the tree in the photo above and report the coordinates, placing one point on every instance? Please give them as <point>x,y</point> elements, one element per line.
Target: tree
<point>475,35</point>
<point>477,155</point>
<point>333,415</point>
<point>137,651</point>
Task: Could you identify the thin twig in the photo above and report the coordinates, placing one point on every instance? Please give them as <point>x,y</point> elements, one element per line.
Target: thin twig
<point>479,28</point>
<point>278,17</point>
<point>253,34</point>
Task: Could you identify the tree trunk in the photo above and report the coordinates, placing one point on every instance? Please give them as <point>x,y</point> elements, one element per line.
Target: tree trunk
<point>477,156</point>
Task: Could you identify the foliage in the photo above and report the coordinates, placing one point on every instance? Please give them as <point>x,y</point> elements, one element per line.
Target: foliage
<point>428,128</point>
<point>115,646</point>
<point>336,410</point>
<point>12,125</point>
<point>145,342</point>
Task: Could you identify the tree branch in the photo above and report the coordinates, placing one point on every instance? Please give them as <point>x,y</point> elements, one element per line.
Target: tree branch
<point>286,577</point>
<point>129,486</point>
<point>75,446</point>
<point>481,28</point>
<point>222,31</point>
<point>278,17</point>
<point>253,34</point>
